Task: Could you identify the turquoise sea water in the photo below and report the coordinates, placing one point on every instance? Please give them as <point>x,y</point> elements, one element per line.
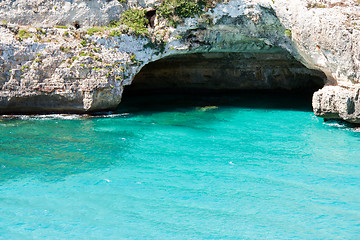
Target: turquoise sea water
<point>181,167</point>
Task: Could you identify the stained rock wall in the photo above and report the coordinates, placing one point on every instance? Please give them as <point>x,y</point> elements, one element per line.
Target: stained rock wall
<point>228,71</point>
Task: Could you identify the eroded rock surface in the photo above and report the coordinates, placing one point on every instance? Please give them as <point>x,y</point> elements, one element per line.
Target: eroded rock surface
<point>337,102</point>
<point>43,68</point>
<point>228,71</point>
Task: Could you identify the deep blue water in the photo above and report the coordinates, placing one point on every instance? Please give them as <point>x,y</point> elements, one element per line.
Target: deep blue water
<point>181,167</point>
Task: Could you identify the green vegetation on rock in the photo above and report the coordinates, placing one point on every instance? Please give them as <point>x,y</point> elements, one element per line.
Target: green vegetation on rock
<point>115,33</point>
<point>136,20</point>
<point>23,34</point>
<point>175,10</point>
<point>59,26</point>
<point>93,30</point>
<point>287,32</point>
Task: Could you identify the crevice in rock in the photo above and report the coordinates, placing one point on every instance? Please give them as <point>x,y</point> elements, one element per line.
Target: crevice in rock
<point>151,16</point>
<point>350,106</point>
<point>76,25</point>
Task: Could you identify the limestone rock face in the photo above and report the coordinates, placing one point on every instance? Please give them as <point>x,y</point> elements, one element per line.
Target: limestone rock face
<point>326,34</point>
<point>47,13</point>
<point>260,44</point>
<point>337,102</point>
<point>54,70</point>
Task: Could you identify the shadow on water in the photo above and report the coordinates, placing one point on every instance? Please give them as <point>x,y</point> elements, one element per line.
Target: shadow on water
<point>52,149</point>
<point>163,100</point>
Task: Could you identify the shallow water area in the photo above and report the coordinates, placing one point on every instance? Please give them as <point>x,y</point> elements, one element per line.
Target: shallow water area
<point>241,166</point>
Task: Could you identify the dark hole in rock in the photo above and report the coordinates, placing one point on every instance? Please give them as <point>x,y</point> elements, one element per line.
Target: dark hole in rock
<point>151,15</point>
<point>76,25</point>
<point>228,71</point>
<point>350,106</point>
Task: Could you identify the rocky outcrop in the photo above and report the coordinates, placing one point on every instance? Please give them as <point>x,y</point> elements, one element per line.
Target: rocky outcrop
<point>329,41</point>
<point>262,44</point>
<point>54,70</point>
<point>335,102</point>
<point>326,34</point>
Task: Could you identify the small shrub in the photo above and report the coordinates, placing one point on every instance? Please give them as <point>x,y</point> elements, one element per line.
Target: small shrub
<point>98,59</point>
<point>316,5</point>
<point>83,43</point>
<point>175,10</point>
<point>133,58</point>
<point>115,33</point>
<point>93,30</point>
<point>65,50</point>
<point>23,67</point>
<point>40,30</point>
<point>287,32</point>
<point>114,24</point>
<point>23,34</point>
<point>59,26</point>
<point>136,20</point>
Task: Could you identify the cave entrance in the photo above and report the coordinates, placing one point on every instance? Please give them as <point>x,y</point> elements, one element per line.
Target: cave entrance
<point>227,71</point>
<point>193,76</point>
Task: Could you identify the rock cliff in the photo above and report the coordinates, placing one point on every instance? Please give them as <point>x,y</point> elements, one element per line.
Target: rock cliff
<point>73,55</point>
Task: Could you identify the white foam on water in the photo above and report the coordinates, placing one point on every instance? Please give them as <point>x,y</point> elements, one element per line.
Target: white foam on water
<point>43,117</point>
<point>342,126</point>
<point>357,129</point>
<point>334,124</point>
<point>114,115</point>
<point>57,116</point>
<point>62,116</point>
